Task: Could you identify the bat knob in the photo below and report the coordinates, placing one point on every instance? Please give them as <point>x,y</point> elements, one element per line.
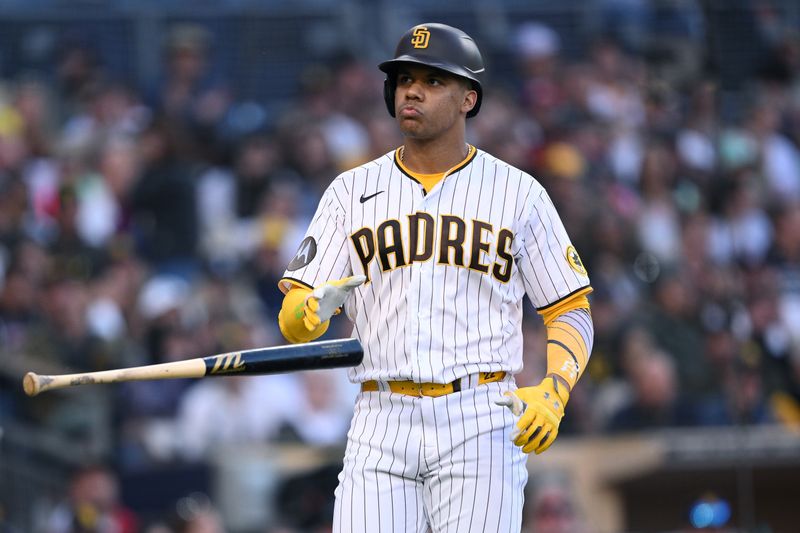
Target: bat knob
<point>31,384</point>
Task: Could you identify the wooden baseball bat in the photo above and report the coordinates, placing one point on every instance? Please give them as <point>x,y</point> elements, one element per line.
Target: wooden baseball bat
<point>289,358</point>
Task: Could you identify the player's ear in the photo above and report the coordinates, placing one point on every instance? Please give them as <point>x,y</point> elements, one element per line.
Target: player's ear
<point>470,98</point>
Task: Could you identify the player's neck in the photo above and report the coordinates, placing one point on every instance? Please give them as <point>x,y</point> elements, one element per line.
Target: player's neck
<point>432,156</point>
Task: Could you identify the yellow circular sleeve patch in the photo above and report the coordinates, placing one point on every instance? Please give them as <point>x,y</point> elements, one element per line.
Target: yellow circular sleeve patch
<point>574,261</point>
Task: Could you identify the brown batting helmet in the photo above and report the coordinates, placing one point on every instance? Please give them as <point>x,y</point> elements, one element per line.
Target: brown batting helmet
<point>439,46</point>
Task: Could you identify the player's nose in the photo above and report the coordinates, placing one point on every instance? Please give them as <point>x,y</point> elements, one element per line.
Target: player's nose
<point>414,90</point>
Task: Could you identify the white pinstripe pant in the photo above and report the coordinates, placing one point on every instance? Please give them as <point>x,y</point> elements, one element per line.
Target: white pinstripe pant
<point>441,463</point>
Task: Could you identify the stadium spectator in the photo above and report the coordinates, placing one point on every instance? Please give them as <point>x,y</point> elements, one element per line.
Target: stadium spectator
<point>93,505</point>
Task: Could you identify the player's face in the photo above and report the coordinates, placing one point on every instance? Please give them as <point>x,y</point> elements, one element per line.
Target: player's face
<point>429,102</point>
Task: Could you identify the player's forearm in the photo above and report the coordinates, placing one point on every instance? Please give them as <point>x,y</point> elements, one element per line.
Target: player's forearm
<point>290,318</point>
<point>569,345</point>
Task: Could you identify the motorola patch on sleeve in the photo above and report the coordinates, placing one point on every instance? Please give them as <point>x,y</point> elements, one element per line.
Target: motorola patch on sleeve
<point>305,253</point>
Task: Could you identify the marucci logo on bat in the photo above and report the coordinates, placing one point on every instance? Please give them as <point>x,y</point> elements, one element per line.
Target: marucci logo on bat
<point>228,363</point>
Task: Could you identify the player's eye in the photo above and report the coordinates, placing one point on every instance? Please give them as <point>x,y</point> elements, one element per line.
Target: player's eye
<point>434,81</point>
<point>403,79</point>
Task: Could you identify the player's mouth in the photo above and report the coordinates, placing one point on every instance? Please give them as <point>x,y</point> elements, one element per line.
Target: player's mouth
<point>409,111</point>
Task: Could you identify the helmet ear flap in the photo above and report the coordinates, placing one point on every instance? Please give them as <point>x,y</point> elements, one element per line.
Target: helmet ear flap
<point>388,95</point>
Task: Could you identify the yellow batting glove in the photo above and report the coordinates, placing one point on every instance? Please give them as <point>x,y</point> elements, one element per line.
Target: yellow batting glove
<point>325,300</point>
<point>540,409</point>
<point>290,317</point>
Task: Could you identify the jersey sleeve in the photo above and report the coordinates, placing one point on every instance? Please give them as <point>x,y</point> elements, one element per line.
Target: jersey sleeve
<point>322,255</point>
<point>549,264</point>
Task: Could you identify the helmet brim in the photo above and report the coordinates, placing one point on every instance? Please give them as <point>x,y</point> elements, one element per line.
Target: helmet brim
<point>390,67</point>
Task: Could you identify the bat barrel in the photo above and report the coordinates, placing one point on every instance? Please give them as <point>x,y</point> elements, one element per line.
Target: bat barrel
<point>291,358</point>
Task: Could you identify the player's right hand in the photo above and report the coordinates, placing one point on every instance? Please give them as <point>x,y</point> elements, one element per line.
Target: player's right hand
<point>540,410</point>
<point>325,300</point>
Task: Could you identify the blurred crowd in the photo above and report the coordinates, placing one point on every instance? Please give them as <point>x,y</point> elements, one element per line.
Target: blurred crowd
<point>142,225</point>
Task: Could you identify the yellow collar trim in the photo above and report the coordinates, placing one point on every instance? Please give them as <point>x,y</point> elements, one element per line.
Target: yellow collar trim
<point>429,181</point>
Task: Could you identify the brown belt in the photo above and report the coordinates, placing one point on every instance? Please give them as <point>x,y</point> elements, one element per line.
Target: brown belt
<point>411,388</point>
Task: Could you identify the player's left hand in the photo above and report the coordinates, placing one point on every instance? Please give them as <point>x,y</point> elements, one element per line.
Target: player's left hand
<point>540,409</point>
<point>325,300</point>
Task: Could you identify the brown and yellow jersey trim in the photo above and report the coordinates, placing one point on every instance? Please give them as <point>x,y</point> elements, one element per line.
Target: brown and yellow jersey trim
<point>574,300</point>
<point>285,284</point>
<point>428,181</point>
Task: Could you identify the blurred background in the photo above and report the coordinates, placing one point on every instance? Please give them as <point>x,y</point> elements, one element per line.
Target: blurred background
<point>159,163</point>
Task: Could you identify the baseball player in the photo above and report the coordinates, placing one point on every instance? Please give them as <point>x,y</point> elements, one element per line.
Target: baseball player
<point>430,250</point>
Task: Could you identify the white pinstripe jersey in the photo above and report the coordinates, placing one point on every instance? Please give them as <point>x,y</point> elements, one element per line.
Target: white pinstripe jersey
<point>447,270</point>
